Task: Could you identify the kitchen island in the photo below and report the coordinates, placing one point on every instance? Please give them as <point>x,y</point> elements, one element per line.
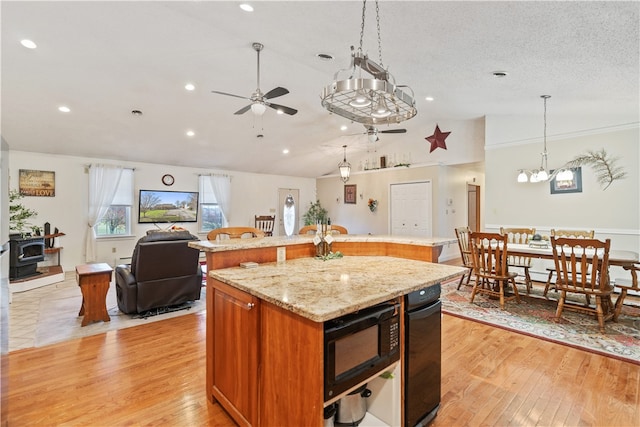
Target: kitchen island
<point>265,324</point>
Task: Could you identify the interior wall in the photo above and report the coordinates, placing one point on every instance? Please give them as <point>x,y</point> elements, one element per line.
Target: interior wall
<point>613,213</point>
<point>252,194</point>
<point>448,182</point>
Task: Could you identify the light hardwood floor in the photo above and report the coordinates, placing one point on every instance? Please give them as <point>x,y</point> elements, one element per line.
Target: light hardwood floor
<point>154,375</point>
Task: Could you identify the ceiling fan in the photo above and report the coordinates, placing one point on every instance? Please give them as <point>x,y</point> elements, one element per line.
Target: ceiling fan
<point>372,132</point>
<point>258,99</point>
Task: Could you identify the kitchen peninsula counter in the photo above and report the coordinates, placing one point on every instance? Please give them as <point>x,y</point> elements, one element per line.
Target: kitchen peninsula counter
<point>265,325</point>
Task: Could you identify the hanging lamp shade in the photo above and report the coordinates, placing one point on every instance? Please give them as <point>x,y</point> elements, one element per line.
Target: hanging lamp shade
<point>344,167</point>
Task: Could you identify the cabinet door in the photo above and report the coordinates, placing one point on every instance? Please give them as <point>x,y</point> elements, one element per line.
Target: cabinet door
<point>235,350</point>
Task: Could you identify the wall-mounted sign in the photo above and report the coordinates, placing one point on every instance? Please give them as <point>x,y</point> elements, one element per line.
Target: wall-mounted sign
<point>37,183</point>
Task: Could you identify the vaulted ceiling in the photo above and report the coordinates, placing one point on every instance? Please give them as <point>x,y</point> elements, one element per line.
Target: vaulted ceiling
<point>105,59</point>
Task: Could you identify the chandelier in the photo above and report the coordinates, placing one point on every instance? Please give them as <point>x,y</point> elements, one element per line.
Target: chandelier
<point>542,174</point>
<point>373,99</point>
<point>344,166</point>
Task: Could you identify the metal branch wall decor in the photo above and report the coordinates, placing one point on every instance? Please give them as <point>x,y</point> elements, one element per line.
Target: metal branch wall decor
<point>604,166</point>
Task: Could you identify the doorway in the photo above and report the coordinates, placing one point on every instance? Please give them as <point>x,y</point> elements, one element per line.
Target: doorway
<point>411,209</point>
<point>282,196</point>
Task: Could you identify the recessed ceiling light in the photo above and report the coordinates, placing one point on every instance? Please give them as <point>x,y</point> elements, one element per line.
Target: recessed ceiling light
<point>499,74</point>
<point>344,127</point>
<point>325,56</point>
<point>285,151</point>
<point>246,7</point>
<point>189,86</point>
<point>64,109</point>
<point>29,44</point>
<point>190,133</point>
<point>279,111</point>
<point>429,98</point>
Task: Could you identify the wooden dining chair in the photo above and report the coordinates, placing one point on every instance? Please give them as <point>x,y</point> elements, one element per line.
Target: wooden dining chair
<point>625,286</point>
<point>572,257</point>
<point>462,234</point>
<point>265,223</point>
<point>489,257</point>
<point>574,234</point>
<point>520,236</point>
<point>234,233</point>
<point>311,229</point>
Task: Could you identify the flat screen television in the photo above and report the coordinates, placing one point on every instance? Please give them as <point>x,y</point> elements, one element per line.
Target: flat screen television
<point>167,206</point>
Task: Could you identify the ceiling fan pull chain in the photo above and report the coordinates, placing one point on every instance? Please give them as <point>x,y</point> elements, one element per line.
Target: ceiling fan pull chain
<point>258,77</point>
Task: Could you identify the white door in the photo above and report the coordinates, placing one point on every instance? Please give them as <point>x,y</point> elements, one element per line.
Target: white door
<point>282,197</point>
<point>411,209</point>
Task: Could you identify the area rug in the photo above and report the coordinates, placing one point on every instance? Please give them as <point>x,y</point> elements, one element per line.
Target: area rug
<point>58,318</point>
<point>534,317</point>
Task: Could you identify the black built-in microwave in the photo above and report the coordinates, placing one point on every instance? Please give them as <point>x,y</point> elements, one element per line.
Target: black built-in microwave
<point>358,345</point>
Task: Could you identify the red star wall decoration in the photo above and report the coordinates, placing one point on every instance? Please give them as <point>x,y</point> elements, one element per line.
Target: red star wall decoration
<point>437,139</point>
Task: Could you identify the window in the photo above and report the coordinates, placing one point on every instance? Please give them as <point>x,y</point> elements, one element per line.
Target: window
<point>213,190</point>
<point>117,220</point>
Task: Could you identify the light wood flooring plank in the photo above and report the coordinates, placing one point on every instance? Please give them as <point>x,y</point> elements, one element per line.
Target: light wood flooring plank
<point>155,375</point>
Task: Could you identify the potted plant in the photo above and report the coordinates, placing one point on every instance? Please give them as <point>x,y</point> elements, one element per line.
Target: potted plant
<point>19,216</point>
<point>316,213</point>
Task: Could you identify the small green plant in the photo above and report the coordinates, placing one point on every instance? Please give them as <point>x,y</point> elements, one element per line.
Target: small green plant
<point>316,213</point>
<point>19,215</point>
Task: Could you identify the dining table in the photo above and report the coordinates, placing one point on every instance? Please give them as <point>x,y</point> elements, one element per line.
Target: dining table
<point>621,258</point>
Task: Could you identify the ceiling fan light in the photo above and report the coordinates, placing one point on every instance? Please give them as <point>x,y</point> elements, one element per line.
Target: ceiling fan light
<point>258,108</point>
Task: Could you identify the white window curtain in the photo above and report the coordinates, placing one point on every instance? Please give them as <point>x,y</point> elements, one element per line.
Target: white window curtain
<point>217,189</point>
<point>103,185</point>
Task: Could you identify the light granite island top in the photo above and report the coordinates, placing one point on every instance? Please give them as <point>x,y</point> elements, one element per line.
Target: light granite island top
<point>322,290</point>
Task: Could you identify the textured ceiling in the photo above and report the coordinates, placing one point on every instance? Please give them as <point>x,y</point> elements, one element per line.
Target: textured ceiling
<point>104,59</point>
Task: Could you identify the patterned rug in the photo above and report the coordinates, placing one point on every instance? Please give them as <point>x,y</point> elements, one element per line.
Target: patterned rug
<point>534,317</point>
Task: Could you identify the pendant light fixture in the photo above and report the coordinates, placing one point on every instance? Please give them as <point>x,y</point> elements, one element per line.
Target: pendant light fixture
<point>370,100</point>
<point>542,174</point>
<point>344,166</point>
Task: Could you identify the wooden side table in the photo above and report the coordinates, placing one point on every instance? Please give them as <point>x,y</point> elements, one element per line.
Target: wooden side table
<point>94,281</point>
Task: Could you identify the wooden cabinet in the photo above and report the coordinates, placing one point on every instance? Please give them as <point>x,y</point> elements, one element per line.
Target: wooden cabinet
<point>235,350</point>
<point>267,366</point>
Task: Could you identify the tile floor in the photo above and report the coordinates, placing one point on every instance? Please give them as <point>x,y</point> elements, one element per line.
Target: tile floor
<point>49,314</point>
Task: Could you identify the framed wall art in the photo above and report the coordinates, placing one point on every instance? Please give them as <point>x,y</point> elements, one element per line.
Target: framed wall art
<point>37,183</point>
<point>350,194</point>
<point>571,186</point>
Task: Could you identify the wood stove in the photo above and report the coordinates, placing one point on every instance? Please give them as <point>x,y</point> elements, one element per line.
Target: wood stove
<point>26,252</point>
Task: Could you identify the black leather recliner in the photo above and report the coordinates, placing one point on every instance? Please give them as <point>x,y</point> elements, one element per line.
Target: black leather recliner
<point>164,271</point>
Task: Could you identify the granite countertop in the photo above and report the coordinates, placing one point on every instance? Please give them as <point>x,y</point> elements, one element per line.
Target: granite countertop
<point>323,290</point>
<point>266,242</point>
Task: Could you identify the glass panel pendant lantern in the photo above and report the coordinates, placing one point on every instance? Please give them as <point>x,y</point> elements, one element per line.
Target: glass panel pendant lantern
<point>344,166</point>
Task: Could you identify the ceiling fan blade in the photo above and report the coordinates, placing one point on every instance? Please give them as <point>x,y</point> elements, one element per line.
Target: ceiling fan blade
<point>230,94</point>
<point>243,109</point>
<point>393,131</point>
<point>274,93</point>
<point>286,110</point>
